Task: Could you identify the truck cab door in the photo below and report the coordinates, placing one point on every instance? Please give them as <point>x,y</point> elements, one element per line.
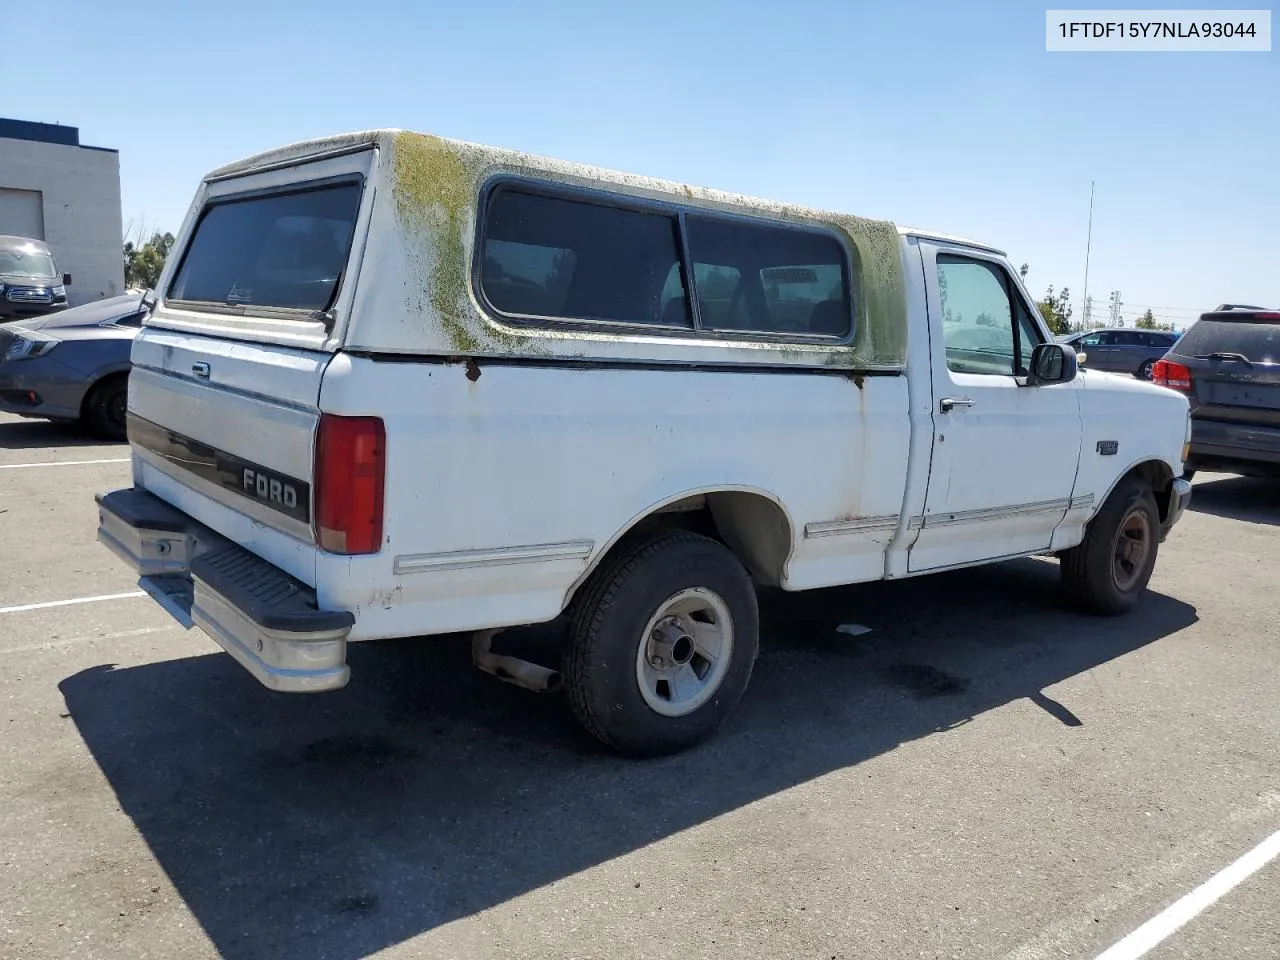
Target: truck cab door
<point>1004,453</point>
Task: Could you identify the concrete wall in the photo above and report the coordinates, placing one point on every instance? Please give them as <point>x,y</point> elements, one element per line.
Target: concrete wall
<point>80,187</point>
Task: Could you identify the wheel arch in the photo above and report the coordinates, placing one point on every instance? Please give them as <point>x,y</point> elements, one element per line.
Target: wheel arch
<point>751,522</point>
<point>1156,473</point>
<point>97,379</point>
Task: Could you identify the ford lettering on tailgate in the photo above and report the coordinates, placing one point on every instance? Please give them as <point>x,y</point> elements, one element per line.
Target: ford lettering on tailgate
<point>285,494</point>
<point>278,491</point>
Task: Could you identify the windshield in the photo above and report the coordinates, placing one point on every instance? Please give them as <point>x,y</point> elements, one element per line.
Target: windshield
<point>285,251</point>
<point>28,262</point>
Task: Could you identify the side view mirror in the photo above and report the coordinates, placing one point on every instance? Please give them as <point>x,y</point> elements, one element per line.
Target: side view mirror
<point>1052,363</point>
<point>66,279</point>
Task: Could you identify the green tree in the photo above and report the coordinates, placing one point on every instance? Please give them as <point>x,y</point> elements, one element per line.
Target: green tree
<point>1056,310</point>
<point>947,315</point>
<point>143,265</point>
<point>1148,322</point>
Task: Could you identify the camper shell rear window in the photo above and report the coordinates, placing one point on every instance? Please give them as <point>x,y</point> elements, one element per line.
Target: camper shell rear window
<point>280,253</point>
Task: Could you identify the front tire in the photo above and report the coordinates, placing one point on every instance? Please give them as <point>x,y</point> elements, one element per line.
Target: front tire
<point>105,408</point>
<point>1109,570</point>
<point>662,643</point>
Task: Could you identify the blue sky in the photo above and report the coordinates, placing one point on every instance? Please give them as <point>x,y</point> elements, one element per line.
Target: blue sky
<point>944,115</point>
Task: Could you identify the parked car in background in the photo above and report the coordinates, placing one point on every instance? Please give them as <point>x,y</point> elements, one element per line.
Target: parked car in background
<point>1122,350</point>
<point>73,366</point>
<point>1228,363</point>
<point>30,284</point>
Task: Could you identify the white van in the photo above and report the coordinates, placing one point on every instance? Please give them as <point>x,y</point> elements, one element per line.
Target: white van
<point>395,385</point>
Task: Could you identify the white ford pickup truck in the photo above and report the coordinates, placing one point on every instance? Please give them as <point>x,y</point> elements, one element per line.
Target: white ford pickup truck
<point>394,385</point>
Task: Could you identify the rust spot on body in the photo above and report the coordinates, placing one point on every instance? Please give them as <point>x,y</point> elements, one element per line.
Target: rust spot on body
<point>473,371</point>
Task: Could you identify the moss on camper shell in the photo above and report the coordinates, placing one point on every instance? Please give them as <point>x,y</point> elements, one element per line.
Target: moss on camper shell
<point>436,185</point>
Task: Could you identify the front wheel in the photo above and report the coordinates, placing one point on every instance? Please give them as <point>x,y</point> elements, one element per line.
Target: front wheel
<point>1109,570</point>
<point>105,408</point>
<point>663,640</point>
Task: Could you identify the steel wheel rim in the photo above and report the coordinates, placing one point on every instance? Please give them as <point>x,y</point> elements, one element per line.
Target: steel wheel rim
<point>1131,549</point>
<point>684,652</point>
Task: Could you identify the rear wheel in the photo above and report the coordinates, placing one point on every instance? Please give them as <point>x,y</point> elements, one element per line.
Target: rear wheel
<point>1108,572</point>
<point>1145,371</point>
<point>663,640</point>
<point>104,409</point>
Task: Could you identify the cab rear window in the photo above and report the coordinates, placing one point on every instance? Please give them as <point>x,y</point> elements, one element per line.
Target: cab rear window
<point>277,252</point>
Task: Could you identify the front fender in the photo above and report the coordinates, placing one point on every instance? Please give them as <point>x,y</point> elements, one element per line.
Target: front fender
<point>107,370</point>
<point>1126,423</point>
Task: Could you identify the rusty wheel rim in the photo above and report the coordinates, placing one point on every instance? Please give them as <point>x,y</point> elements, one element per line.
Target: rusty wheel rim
<point>1131,549</point>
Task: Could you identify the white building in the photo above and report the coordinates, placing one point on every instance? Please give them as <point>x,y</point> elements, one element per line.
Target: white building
<point>55,189</point>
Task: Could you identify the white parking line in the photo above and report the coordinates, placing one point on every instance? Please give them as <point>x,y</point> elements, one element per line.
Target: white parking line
<point>61,463</point>
<point>1167,921</point>
<point>22,608</point>
<point>72,641</point>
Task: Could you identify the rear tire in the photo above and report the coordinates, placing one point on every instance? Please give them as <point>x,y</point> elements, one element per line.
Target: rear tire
<point>1145,371</point>
<point>662,642</point>
<point>105,408</point>
<point>1109,570</point>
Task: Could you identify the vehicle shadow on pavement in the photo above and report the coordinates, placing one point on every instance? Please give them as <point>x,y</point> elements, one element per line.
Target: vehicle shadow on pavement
<point>426,791</point>
<point>38,434</point>
<point>1250,499</point>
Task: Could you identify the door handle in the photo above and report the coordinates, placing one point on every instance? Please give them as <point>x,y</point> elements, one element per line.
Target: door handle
<point>947,404</point>
<point>200,370</point>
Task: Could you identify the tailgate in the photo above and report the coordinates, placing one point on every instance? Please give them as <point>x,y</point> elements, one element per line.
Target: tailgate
<point>1251,395</point>
<point>234,422</point>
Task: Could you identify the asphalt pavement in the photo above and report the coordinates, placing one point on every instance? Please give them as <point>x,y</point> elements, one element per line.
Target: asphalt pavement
<point>985,774</point>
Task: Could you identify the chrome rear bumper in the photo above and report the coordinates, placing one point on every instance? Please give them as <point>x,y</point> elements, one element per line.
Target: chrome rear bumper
<point>268,621</point>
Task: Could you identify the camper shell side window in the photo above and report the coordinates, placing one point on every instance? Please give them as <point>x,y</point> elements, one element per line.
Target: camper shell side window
<point>551,256</point>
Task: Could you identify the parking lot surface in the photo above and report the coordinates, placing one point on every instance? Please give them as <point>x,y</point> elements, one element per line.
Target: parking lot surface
<point>985,774</point>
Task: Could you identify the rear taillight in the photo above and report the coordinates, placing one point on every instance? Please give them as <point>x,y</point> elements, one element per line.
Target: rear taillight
<point>350,470</point>
<point>1167,373</point>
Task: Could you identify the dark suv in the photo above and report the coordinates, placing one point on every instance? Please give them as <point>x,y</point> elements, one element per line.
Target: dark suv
<point>30,284</point>
<point>1229,364</point>
<point>1122,350</point>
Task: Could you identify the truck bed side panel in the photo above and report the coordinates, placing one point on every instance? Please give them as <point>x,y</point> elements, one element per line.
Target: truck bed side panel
<point>505,482</point>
